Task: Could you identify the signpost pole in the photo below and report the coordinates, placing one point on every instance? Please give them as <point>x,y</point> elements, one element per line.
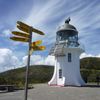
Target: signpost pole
<point>27,37</point>
<point>28,64</point>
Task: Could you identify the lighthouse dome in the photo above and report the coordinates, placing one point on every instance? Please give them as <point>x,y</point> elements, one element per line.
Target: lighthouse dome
<point>67,27</point>
<point>67,32</point>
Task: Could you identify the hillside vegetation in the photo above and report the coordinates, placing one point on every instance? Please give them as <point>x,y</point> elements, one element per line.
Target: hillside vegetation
<point>90,63</point>
<point>37,74</point>
<point>90,69</point>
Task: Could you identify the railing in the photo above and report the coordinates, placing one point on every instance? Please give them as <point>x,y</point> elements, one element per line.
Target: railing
<point>57,49</point>
<point>76,45</point>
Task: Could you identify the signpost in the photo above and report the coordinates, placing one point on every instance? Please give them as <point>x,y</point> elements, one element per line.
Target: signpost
<point>32,46</point>
<point>36,43</point>
<point>21,39</point>
<point>26,28</point>
<point>26,35</point>
<point>38,48</point>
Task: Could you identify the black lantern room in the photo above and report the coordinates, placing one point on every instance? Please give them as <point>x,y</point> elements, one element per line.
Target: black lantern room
<point>67,33</point>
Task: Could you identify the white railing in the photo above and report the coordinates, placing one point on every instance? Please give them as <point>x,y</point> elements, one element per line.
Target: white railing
<point>57,48</point>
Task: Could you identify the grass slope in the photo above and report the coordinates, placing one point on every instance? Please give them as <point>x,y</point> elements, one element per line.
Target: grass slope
<point>37,74</point>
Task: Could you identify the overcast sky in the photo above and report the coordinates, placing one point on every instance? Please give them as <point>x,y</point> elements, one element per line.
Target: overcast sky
<point>47,15</point>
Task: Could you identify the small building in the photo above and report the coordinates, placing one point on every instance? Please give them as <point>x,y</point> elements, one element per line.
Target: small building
<point>67,51</point>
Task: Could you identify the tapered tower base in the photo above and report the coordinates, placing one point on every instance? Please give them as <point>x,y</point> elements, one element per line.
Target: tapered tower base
<point>67,70</point>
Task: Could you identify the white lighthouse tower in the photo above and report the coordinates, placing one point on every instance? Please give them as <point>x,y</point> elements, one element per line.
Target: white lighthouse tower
<point>67,63</point>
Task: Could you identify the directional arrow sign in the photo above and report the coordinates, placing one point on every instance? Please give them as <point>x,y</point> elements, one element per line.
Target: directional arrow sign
<point>26,28</point>
<point>19,23</point>
<point>23,29</point>
<point>37,31</point>
<point>36,43</point>
<point>36,48</point>
<point>26,35</point>
<point>19,39</point>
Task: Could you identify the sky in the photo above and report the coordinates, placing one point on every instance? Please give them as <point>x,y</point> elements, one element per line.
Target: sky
<point>47,16</point>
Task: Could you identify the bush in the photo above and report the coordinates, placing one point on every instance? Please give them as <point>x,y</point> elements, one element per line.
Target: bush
<point>90,75</point>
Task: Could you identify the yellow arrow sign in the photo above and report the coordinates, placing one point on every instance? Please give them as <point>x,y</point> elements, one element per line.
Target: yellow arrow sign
<point>42,47</point>
<point>37,31</point>
<point>23,24</point>
<point>19,39</point>
<point>23,29</point>
<point>36,48</point>
<point>36,43</point>
<point>26,28</point>
<point>20,34</point>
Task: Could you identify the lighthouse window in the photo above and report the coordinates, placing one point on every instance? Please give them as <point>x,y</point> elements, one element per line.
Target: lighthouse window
<point>60,73</point>
<point>69,57</point>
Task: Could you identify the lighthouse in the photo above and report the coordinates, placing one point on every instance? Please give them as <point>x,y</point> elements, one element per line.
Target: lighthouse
<point>67,51</point>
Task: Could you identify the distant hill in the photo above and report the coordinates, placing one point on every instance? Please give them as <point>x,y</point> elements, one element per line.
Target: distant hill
<point>90,68</point>
<point>90,63</point>
<point>37,74</point>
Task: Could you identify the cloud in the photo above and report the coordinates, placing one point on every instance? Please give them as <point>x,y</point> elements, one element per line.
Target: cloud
<point>84,55</point>
<point>39,60</point>
<point>50,14</point>
<point>44,10</point>
<point>50,60</point>
<point>6,33</point>
<point>7,60</point>
<point>98,55</point>
<point>35,59</point>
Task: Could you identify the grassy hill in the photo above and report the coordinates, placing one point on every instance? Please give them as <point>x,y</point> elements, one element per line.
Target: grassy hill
<point>37,74</point>
<point>90,69</point>
<point>90,63</point>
